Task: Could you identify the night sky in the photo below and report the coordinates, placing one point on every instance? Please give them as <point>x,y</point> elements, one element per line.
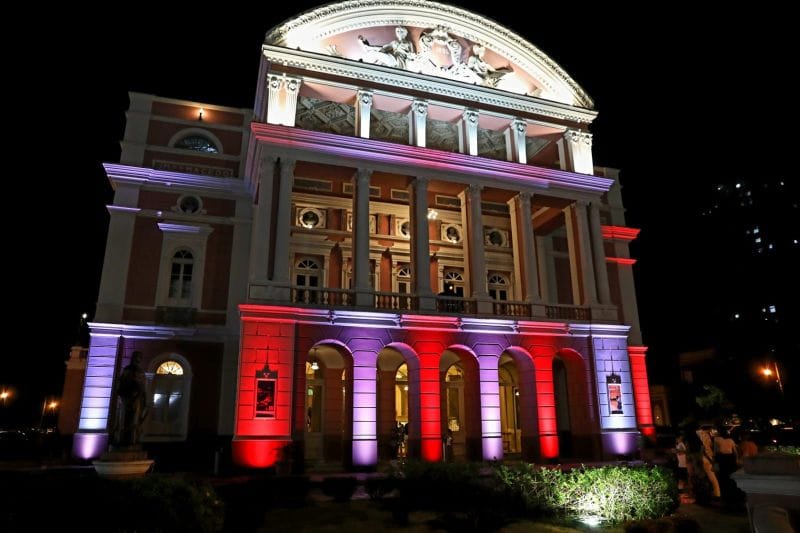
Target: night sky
<point>686,101</point>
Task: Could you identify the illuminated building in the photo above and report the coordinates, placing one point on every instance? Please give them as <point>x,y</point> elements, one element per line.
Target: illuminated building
<point>408,227</point>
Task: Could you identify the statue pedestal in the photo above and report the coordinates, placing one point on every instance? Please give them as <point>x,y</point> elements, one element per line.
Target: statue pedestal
<point>125,462</point>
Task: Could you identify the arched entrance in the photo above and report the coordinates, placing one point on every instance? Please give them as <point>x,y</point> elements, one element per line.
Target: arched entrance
<point>328,406</point>
<point>460,403</point>
<point>510,419</point>
<point>575,407</point>
<point>518,404</point>
<point>397,408</point>
<point>169,382</point>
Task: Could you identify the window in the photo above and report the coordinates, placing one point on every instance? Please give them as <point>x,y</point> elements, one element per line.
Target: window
<point>189,204</point>
<point>403,281</point>
<point>310,217</point>
<point>498,287</point>
<point>451,233</point>
<point>180,279</point>
<point>198,143</point>
<point>454,279</point>
<point>307,276</point>
<point>168,399</point>
<point>495,237</point>
<point>403,227</point>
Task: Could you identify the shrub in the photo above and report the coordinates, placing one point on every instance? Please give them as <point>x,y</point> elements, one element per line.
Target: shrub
<point>610,494</point>
<point>341,489</point>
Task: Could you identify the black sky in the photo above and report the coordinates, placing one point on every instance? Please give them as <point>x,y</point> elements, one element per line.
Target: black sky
<point>686,100</point>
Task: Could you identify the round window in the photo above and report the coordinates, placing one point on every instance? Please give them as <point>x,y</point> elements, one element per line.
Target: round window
<point>495,238</point>
<point>405,228</point>
<point>310,219</point>
<point>452,234</point>
<point>189,204</point>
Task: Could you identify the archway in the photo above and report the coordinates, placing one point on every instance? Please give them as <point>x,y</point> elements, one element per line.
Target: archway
<point>575,406</point>
<point>518,404</point>
<point>398,401</point>
<point>460,403</point>
<point>328,407</point>
<point>169,382</point>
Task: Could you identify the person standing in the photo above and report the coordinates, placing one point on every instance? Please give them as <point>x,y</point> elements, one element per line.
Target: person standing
<point>680,455</point>
<point>708,458</point>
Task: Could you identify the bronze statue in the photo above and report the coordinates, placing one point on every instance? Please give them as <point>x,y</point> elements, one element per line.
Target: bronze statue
<point>132,404</point>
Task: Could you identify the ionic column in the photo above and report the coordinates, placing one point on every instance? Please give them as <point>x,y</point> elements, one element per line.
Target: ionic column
<point>282,99</point>
<point>363,109</point>
<point>361,237</point>
<point>420,246</point>
<point>476,264</point>
<point>525,247</point>
<point>515,141</point>
<point>283,220</point>
<point>600,269</point>
<point>581,254</point>
<point>575,151</point>
<point>468,132</point>
<point>416,120</point>
<point>259,242</point>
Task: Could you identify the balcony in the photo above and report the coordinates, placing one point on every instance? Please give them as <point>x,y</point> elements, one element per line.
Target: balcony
<point>319,297</point>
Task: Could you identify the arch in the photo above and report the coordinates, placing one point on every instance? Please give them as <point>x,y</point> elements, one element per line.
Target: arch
<point>326,415</point>
<point>168,398</point>
<point>315,30</point>
<point>527,402</point>
<point>390,359</point>
<point>196,132</point>
<point>580,437</point>
<point>460,400</point>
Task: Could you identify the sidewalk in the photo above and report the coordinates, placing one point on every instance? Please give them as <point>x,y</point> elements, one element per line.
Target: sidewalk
<point>716,518</point>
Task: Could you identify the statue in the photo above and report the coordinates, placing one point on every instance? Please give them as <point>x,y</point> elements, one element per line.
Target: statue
<point>131,392</point>
<point>394,54</point>
<point>490,75</point>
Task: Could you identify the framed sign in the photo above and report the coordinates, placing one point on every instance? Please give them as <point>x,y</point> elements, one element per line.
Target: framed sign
<point>614,387</point>
<point>265,393</point>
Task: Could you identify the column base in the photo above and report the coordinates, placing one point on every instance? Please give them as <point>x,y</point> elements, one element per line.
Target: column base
<point>426,303</point>
<point>602,312</point>
<point>89,445</point>
<point>365,298</point>
<point>485,306</point>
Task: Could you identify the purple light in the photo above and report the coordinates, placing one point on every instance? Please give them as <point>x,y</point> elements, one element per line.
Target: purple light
<point>493,448</point>
<point>365,452</point>
<point>619,443</point>
<point>89,445</point>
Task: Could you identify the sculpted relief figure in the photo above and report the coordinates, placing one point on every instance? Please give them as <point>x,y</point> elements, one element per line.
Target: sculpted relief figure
<point>490,75</point>
<point>397,53</point>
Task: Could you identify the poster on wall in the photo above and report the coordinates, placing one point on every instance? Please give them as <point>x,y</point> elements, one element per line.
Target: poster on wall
<point>614,386</point>
<point>265,398</point>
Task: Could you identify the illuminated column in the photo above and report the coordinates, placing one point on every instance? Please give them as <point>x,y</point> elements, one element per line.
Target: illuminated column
<point>491,427</point>
<point>600,269</point>
<point>282,99</point>
<point>283,219</point>
<point>416,121</point>
<point>515,141</point>
<point>468,132</point>
<point>580,252</point>
<point>262,219</point>
<point>365,401</point>
<point>476,254</point>
<point>420,247</point>
<point>430,429</point>
<point>546,404</point>
<point>641,390</point>
<point>361,237</point>
<point>363,108</point>
<point>575,151</point>
<point>91,440</point>
<point>524,247</point>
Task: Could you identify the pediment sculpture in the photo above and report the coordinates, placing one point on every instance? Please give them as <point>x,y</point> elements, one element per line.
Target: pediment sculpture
<point>401,53</point>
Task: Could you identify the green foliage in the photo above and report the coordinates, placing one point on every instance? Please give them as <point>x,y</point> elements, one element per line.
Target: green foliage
<point>713,398</point>
<point>788,450</point>
<point>611,494</point>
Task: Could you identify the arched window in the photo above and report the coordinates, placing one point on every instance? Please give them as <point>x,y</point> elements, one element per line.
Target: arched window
<point>180,278</point>
<point>454,280</point>
<point>168,399</point>
<point>307,275</point>
<point>198,143</point>
<point>498,287</point>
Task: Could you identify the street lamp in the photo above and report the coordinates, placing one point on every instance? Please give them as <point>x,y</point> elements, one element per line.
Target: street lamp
<point>81,321</point>
<point>768,372</point>
<point>4,396</point>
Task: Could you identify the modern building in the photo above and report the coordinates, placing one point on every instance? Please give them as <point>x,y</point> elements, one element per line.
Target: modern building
<point>407,231</point>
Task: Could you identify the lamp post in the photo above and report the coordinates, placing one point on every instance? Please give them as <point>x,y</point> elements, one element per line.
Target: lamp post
<point>81,321</point>
<point>768,372</point>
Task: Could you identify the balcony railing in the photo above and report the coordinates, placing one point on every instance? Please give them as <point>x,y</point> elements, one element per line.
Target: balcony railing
<point>400,302</point>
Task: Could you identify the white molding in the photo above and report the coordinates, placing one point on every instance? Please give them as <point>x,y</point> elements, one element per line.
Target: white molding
<point>125,174</point>
<point>425,84</point>
<point>190,103</point>
<point>192,229</point>
<point>311,27</point>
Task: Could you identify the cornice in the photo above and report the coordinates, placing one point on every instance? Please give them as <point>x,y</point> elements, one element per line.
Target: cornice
<point>416,161</point>
<point>340,17</point>
<point>144,177</point>
<point>359,72</point>
<point>621,233</point>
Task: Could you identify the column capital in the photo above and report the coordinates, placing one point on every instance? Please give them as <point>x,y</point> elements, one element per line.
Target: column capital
<point>578,136</point>
<point>581,203</point>
<point>420,107</point>
<point>292,84</point>
<point>364,96</point>
<point>274,82</point>
<point>267,159</point>
<point>475,188</point>
<point>519,125</point>
<point>287,167</point>
<point>420,181</point>
<point>362,174</point>
<point>470,116</point>
<point>525,197</point>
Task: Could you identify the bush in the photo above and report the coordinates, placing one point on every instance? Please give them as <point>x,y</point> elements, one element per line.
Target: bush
<point>610,494</point>
<point>341,489</point>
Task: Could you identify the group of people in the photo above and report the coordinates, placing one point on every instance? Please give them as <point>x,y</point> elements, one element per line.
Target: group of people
<point>400,440</point>
<point>708,456</point>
